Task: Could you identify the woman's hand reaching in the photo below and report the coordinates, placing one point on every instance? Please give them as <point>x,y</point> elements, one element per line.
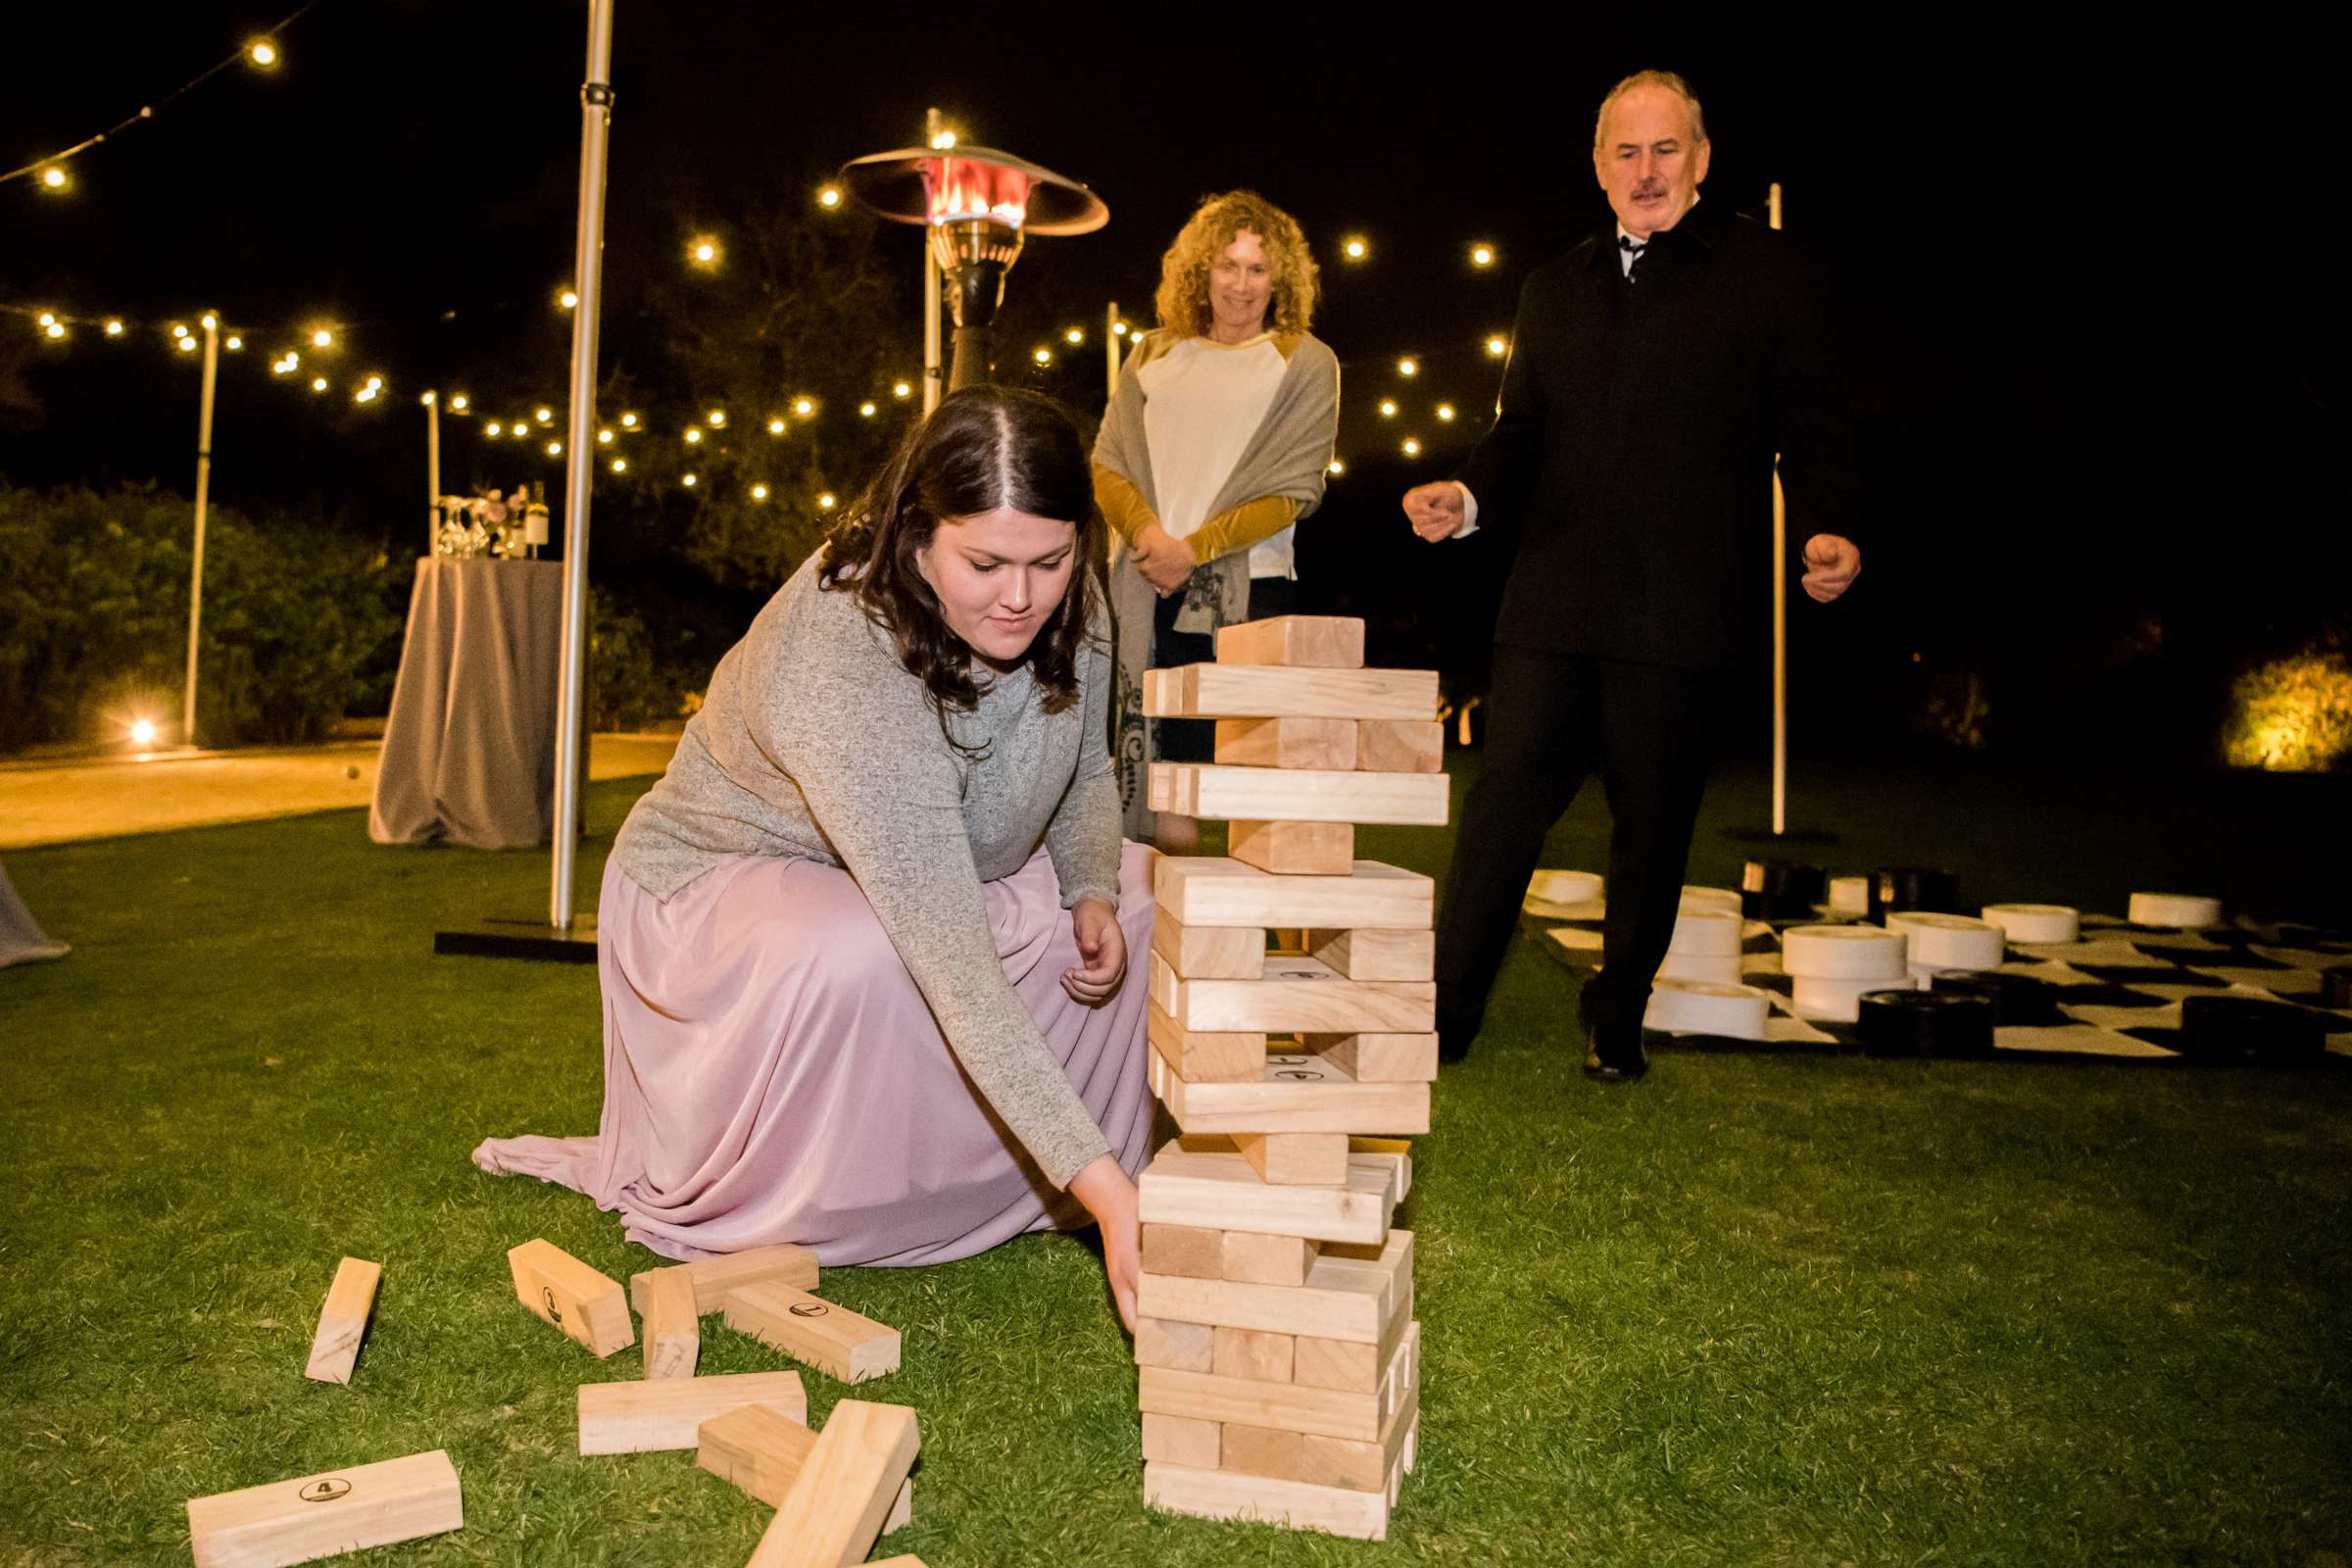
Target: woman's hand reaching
<point>1102,948</point>
<point>1103,1187</point>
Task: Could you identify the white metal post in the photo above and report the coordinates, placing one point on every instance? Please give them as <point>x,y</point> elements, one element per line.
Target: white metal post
<point>931,381</point>
<point>587,271</point>
<point>204,489</point>
<point>1780,616</point>
<point>432,471</point>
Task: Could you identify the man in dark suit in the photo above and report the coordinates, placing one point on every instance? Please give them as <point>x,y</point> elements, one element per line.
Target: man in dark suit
<point>1655,372</point>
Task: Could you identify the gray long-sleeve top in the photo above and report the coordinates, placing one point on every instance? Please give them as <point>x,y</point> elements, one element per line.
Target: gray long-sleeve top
<point>815,742</point>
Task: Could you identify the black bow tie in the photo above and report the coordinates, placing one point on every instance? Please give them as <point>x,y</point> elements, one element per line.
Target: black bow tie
<point>1630,246</point>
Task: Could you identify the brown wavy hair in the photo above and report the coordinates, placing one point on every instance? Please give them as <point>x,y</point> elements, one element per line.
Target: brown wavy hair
<point>1183,300</point>
<point>982,448</point>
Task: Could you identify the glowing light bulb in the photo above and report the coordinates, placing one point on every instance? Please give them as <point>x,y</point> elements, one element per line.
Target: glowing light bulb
<point>365,394</point>
<point>234,344</point>
<point>494,429</point>
<point>54,178</point>
<point>543,414</point>
<point>209,322</point>
<point>178,330</point>
<point>114,330</point>
<point>1336,466</point>
<point>690,481</point>
<point>48,317</point>
<point>902,390</point>
<point>1074,336</point>
<point>829,197</point>
<point>1409,368</point>
<point>568,299</point>
<point>867,410</point>
<point>263,53</point>
<point>1498,346</point>
<point>694,438</point>
<point>142,732</point>
<point>1042,355</point>
<point>323,339</point>
<point>759,492</point>
<point>775,428</point>
<point>943,141</point>
<point>1387,408</point>
<point>621,464</point>
<point>555,449</point>
<point>55,330</point>
<point>375,381</point>
<point>1445,412</point>
<point>459,404</point>
<point>1118,329</point>
<point>603,438</point>
<point>804,407</point>
<point>628,422</point>
<point>717,417</point>
<point>187,345</point>
<point>1412,447</point>
<point>428,400</point>
<point>1356,249</point>
<point>1482,256</point>
<point>826,501</point>
<point>705,252</point>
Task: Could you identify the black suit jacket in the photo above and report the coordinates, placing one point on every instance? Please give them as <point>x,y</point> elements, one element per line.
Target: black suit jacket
<point>1630,461</point>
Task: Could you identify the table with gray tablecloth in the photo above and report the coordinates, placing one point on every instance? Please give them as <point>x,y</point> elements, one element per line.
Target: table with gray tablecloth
<point>470,746</point>
<point>22,940</point>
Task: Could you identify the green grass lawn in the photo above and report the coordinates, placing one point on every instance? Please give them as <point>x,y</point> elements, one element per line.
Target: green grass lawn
<point>1752,1311</point>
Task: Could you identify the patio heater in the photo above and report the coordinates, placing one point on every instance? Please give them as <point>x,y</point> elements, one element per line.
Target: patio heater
<point>980,206</point>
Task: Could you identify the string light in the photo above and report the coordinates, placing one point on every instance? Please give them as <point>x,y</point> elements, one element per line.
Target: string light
<point>209,321</point>
<point>1042,355</point>
<point>1355,248</point>
<point>1387,408</point>
<point>459,404</point>
<point>1498,346</point>
<point>178,330</point>
<point>826,501</point>
<point>718,418</point>
<point>865,410</point>
<point>603,438</point>
<point>262,52</point>
<point>319,383</point>
<point>1118,329</point>
<point>234,344</point>
<point>703,251</point>
<point>1412,447</point>
<point>54,330</point>
<point>568,299</point>
<point>943,141</point>
<point>1445,412</point>
<point>1409,368</point>
<point>775,428</point>
<point>621,464</point>
<point>428,400</point>
<point>493,428</point>
<point>114,330</point>
<point>48,318</point>
<point>544,414</point>
<point>1481,254</point>
<point>902,390</point>
<point>53,177</point>
<point>689,482</point>
<point>1335,465</point>
<point>804,407</point>
<point>628,422</point>
<point>829,197</point>
<point>555,449</point>
<point>187,345</point>
<point>694,436</point>
<point>323,339</point>
<point>1074,336</point>
<point>759,492</point>
<point>365,394</point>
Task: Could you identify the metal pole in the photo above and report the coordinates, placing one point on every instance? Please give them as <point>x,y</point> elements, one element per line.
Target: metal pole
<point>204,489</point>
<point>1780,615</point>
<point>930,292</point>
<point>1111,345</point>
<point>432,471</point>
<point>588,276</point>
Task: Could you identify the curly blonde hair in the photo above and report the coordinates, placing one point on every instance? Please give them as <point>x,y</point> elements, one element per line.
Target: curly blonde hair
<point>1183,301</point>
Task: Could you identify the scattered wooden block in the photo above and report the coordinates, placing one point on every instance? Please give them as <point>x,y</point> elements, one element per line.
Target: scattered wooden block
<point>640,1417</point>
<point>1340,1299</point>
<point>343,1320</point>
<point>830,1337</point>
<point>1201,1056</point>
<point>1178,1347</point>
<point>1286,1406</point>
<point>673,1333</point>
<point>572,1296</point>
<point>1261,1451</point>
<point>1293,1505</point>
<point>1205,1182</point>
<point>1399,746</point>
<point>1193,1250</point>
<point>1376,954</point>
<point>1297,995</point>
<point>1220,891</point>
<point>1379,1058</point>
<point>715,1277</point>
<point>1179,1440</point>
<point>1320,642</point>
<point>1294,1159</point>
<point>1209,953</point>
<point>1253,1259</point>
<point>1298,794</point>
<point>1293,1093</point>
<point>836,1508</point>
<point>1252,1353</point>
<point>1315,742</point>
<point>1293,848</point>
<point>761,1451</point>
<point>327,1514</point>
<point>1252,691</point>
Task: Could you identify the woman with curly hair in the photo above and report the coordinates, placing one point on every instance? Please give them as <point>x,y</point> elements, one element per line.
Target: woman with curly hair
<point>843,1006</point>
<point>1214,445</point>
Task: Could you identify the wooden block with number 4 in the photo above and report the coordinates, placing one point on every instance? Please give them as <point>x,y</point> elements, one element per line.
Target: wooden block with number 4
<point>574,1297</point>
<point>841,1499</point>
<point>1320,642</point>
<point>830,1337</point>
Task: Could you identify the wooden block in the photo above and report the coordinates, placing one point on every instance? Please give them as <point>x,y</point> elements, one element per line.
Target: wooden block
<point>1299,795</point>
<point>572,1296</point>
<point>832,1339</point>
<point>1253,1259</point>
<point>715,1277</point>
<point>1398,746</point>
<point>836,1508</point>
<point>1179,1440</point>
<point>1351,1366</point>
<point>1379,1058</point>
<point>1340,1299</point>
<point>1293,848</point>
<point>1297,993</point>
<point>1207,1183</point>
<point>761,1451</point>
<point>1178,1347</point>
<point>1193,1251</point>
<point>1309,743</point>
<point>1293,1505</point>
<point>1199,1055</point>
<point>673,1333</point>
<point>1261,1451</point>
<point>1251,691</point>
<point>1209,953</point>
<point>1252,1353</point>
<point>327,1514</point>
<point>1220,891</point>
<point>1376,954</point>
<point>343,1320</point>
<point>1288,1406</point>
<point>666,1413</point>
<point>1294,1159</point>
<point>1366,1466</point>
<point>1319,642</point>
<point>1300,1093</point>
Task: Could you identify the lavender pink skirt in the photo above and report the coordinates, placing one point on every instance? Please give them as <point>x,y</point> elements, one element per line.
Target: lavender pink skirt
<point>772,1074</point>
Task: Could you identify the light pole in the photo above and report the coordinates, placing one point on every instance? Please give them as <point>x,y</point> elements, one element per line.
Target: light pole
<point>432,471</point>
<point>204,489</point>
<point>978,207</point>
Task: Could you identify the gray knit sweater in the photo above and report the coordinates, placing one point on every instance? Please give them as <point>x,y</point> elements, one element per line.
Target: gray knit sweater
<point>815,742</point>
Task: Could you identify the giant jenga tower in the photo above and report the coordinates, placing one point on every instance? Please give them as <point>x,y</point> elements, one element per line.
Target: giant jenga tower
<point>1278,1359</point>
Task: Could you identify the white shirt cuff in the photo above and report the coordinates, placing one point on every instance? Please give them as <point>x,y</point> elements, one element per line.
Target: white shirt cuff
<point>1469,512</point>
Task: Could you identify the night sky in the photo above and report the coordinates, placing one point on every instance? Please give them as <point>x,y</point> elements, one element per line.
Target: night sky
<point>2097,344</point>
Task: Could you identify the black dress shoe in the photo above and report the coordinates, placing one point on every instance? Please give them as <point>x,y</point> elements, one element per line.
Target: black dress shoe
<point>1452,1046</point>
<point>1614,1056</point>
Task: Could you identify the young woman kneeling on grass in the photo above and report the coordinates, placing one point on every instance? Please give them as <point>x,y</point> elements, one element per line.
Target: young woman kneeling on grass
<point>843,1006</point>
